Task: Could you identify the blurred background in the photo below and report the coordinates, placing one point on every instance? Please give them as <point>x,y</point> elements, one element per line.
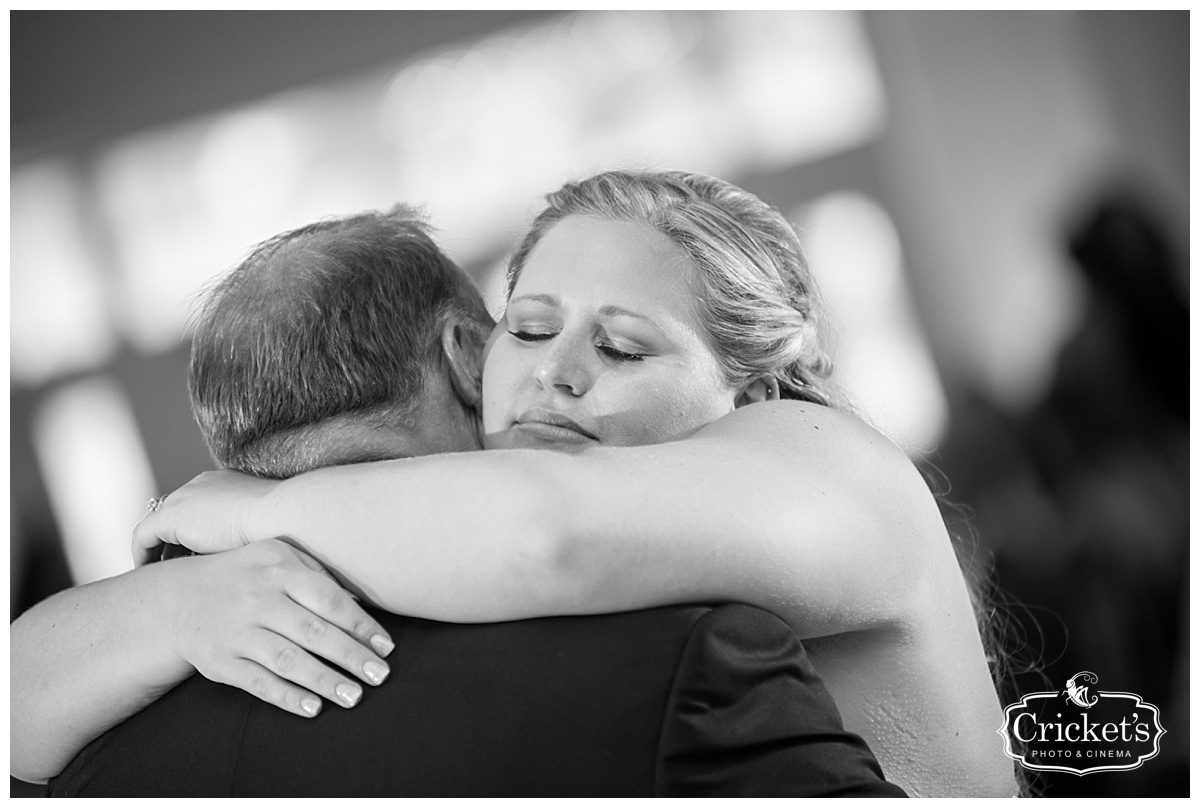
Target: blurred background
<point>996,205</point>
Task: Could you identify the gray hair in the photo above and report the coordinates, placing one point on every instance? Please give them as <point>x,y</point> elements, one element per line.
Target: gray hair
<point>336,319</point>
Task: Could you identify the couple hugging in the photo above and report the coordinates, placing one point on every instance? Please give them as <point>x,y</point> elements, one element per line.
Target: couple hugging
<point>710,504</point>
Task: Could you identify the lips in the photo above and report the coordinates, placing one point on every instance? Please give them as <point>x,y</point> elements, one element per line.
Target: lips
<point>552,426</point>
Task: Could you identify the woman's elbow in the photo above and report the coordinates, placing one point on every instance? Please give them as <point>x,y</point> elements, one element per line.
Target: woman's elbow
<point>904,559</point>
<point>555,574</point>
<point>544,560</point>
<point>29,768</point>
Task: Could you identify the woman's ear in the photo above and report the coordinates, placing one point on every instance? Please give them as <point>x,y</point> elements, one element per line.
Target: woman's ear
<point>462,346</point>
<point>764,388</point>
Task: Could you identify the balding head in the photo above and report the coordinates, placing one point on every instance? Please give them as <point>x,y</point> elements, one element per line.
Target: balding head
<point>328,345</point>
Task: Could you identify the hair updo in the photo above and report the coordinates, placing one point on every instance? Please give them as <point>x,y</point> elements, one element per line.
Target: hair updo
<point>758,302</point>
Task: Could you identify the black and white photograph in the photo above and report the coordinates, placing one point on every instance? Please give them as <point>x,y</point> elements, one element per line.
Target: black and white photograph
<point>599,403</point>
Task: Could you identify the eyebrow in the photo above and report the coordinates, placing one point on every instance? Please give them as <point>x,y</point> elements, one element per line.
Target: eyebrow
<point>610,310</point>
<point>549,300</point>
<point>617,311</point>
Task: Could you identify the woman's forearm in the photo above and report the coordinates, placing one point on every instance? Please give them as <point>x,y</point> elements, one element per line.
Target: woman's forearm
<point>823,533</point>
<point>83,661</point>
<point>466,538</point>
<point>88,658</point>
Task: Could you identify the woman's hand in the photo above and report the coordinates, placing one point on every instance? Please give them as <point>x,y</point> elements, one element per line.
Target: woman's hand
<point>256,617</point>
<point>208,515</point>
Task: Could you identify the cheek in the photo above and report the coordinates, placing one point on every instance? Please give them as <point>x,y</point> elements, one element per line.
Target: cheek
<point>699,403</point>
<point>670,408</point>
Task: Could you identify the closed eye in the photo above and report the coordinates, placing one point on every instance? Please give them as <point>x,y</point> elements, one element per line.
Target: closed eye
<point>607,350</point>
<point>620,356</point>
<point>529,336</point>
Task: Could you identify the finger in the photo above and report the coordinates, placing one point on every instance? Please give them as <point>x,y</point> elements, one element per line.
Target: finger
<point>329,642</point>
<point>325,598</point>
<point>271,688</point>
<point>142,556</point>
<point>313,564</point>
<point>293,664</point>
<point>146,544</point>
<point>306,559</point>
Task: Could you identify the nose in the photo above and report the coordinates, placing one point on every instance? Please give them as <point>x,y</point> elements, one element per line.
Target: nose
<point>564,367</point>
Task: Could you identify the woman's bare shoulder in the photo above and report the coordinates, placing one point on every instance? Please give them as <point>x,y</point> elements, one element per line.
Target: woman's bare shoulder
<point>800,446</point>
<point>810,431</point>
<point>796,415</point>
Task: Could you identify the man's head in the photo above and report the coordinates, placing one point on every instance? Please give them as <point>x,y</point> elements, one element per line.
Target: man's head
<point>348,340</point>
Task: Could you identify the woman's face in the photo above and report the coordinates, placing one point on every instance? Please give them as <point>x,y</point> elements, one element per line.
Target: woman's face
<point>601,344</point>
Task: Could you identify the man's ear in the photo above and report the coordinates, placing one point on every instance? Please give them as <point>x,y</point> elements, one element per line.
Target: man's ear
<point>763,388</point>
<point>462,346</point>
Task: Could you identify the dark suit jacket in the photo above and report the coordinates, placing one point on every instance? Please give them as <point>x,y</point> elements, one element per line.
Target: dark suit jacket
<point>674,701</point>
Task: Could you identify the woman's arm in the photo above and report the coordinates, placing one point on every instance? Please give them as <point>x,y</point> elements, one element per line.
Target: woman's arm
<point>791,507</point>
<point>89,657</point>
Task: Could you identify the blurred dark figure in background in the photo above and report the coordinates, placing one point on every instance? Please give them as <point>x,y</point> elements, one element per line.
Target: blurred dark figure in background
<point>1084,500</point>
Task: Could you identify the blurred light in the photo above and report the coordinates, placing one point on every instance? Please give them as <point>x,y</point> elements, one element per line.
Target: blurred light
<point>187,202</point>
<point>803,85</point>
<point>97,475</point>
<point>1025,309</point>
<point>165,242</point>
<point>881,358</point>
<point>248,162</point>
<point>630,41</point>
<point>426,104</point>
<point>60,318</point>
<point>483,130</point>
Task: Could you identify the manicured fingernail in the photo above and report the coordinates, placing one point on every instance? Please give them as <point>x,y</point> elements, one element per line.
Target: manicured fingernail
<point>382,645</point>
<point>375,671</point>
<point>349,693</point>
<point>310,706</point>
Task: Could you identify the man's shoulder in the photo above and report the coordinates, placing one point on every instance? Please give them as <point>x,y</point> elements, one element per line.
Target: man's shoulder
<point>681,616</point>
<point>650,633</point>
<point>627,644</point>
<point>748,715</point>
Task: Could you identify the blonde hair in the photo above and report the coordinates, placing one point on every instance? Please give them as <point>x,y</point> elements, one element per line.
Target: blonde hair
<point>758,301</point>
